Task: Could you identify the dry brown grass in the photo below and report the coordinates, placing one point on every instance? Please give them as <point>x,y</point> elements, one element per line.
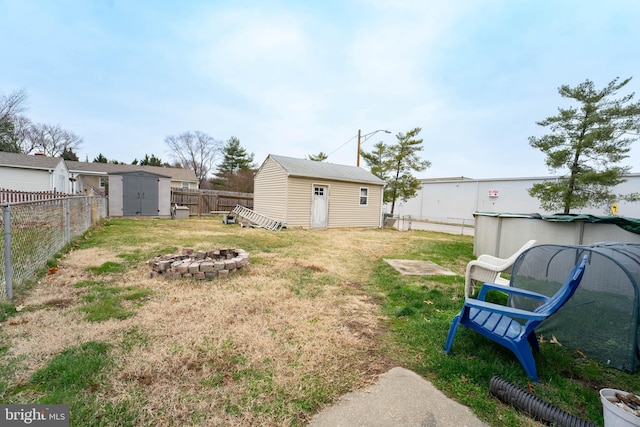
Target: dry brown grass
<point>209,347</point>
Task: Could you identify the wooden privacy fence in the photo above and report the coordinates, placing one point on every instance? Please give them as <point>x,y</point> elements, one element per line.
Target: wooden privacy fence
<point>207,202</point>
<point>16,196</point>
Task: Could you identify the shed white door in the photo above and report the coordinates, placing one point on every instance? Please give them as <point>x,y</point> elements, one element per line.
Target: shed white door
<point>319,206</point>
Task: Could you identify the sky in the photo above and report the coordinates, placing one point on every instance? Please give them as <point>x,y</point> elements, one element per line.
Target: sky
<point>299,77</point>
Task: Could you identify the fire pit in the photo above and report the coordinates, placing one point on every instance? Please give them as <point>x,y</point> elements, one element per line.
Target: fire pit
<point>200,265</point>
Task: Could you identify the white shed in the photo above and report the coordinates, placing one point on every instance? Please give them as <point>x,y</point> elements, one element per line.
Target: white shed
<point>309,194</point>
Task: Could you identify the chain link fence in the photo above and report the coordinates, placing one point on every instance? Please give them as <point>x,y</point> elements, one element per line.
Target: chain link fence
<point>33,232</point>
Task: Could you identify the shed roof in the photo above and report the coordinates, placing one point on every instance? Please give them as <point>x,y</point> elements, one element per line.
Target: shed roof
<point>28,161</point>
<point>177,174</point>
<point>312,169</point>
<point>140,173</point>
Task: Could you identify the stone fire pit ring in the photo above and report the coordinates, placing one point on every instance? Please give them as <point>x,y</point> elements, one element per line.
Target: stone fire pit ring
<point>200,265</point>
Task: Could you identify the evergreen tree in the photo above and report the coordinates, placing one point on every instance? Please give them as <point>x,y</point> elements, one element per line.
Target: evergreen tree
<point>8,137</point>
<point>395,163</point>
<point>151,161</point>
<point>377,161</point>
<point>235,158</point>
<point>588,142</point>
<point>100,159</point>
<point>235,172</point>
<point>68,154</point>
<point>320,157</point>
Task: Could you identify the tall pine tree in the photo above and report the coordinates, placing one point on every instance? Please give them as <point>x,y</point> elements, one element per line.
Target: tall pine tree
<point>235,172</point>
<point>395,164</point>
<point>587,142</point>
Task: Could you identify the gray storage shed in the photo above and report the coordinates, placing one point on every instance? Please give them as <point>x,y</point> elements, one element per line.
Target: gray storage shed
<point>139,193</point>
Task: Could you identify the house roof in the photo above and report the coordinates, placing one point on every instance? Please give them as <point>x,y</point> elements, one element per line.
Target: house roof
<point>139,172</point>
<point>312,169</point>
<point>28,161</point>
<point>176,174</point>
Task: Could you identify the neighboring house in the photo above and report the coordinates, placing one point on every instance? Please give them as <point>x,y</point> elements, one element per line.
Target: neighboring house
<point>309,194</point>
<point>94,176</point>
<point>454,200</point>
<point>25,172</point>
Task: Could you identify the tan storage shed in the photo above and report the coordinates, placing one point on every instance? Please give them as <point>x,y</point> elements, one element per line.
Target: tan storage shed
<point>307,194</point>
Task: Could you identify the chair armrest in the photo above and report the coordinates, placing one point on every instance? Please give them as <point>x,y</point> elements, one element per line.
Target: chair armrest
<point>490,259</point>
<point>509,290</point>
<point>504,310</point>
<point>484,265</point>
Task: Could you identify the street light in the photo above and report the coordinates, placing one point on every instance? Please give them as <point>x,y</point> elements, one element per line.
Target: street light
<point>364,138</point>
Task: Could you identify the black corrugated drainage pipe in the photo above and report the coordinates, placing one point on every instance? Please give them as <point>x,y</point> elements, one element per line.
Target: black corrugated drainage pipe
<point>533,406</point>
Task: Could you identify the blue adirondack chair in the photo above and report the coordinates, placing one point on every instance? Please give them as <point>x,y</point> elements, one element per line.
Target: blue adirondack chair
<point>497,322</point>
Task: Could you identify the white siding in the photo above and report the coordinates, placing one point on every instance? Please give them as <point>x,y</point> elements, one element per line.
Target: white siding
<point>452,200</point>
<point>270,192</point>
<point>116,196</point>
<point>345,209</point>
<point>164,197</point>
<point>25,179</point>
<point>61,178</point>
<point>299,201</point>
<point>344,203</point>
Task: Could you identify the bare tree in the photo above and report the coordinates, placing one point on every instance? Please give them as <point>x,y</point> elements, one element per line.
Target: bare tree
<point>12,105</point>
<point>195,150</point>
<point>51,140</point>
<point>22,128</point>
<point>10,108</point>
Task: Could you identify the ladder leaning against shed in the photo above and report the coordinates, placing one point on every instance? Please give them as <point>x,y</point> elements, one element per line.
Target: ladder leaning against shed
<point>256,218</point>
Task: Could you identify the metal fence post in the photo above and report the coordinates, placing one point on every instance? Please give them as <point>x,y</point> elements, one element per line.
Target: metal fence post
<point>8,268</point>
<point>67,214</point>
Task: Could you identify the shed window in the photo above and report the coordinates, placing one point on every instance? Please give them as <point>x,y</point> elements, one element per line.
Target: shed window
<point>364,196</point>
<point>318,191</point>
<point>103,182</point>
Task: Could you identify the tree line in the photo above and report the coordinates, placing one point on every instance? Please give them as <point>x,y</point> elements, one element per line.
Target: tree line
<point>586,144</point>
<point>18,134</point>
<point>194,150</point>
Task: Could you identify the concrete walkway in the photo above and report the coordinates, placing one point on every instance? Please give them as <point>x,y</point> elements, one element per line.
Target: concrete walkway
<point>400,398</point>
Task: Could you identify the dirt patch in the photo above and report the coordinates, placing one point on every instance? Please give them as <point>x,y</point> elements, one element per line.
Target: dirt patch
<point>418,268</point>
<point>60,302</point>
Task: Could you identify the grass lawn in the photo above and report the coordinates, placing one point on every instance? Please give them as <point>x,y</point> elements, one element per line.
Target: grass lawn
<point>318,314</point>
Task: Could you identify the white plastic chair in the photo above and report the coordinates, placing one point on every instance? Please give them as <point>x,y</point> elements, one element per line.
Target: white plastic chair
<point>487,268</point>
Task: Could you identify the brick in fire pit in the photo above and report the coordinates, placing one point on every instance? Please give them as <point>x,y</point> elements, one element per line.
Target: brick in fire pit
<point>206,266</point>
<point>194,267</point>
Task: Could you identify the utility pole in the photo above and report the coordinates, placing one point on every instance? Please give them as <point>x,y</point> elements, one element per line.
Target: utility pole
<point>358,162</point>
